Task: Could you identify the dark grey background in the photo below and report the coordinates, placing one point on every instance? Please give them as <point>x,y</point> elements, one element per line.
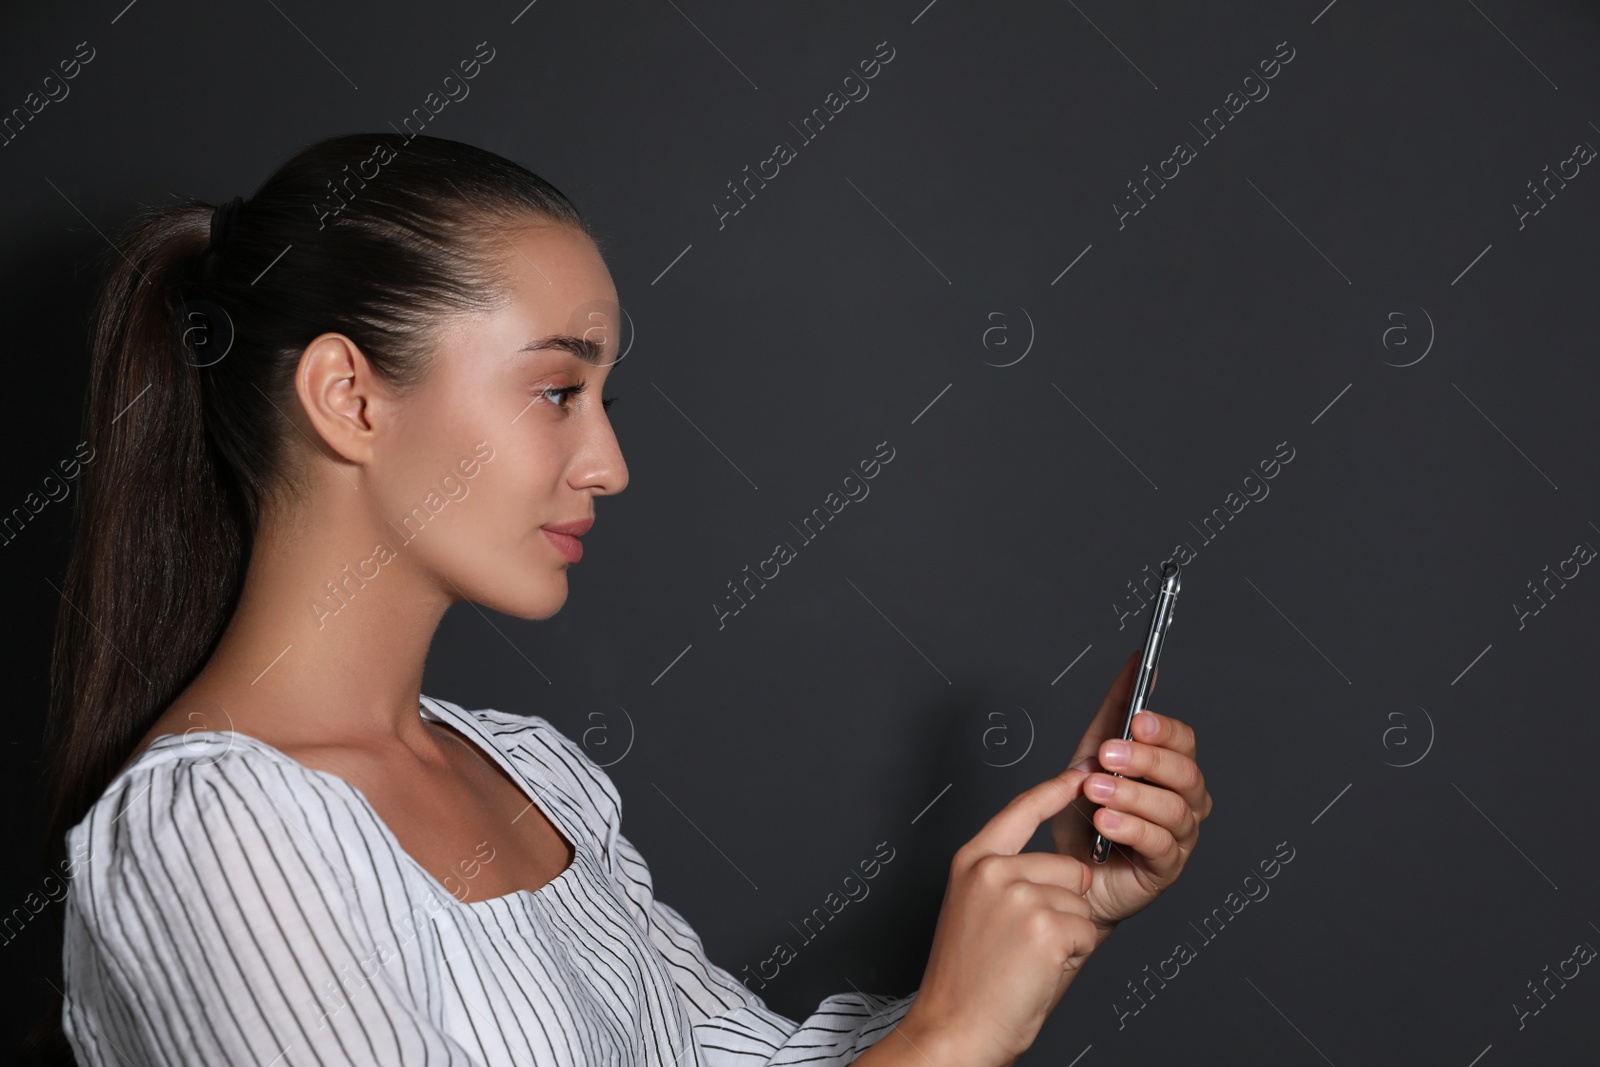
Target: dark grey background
<point>1360,616</point>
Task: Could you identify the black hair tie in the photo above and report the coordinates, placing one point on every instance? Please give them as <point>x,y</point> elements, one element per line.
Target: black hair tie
<point>224,220</point>
<point>205,330</point>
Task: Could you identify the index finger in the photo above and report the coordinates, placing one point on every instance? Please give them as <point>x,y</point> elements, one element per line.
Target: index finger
<point>1014,825</point>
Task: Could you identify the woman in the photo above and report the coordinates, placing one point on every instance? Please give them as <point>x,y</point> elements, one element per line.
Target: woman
<point>320,416</point>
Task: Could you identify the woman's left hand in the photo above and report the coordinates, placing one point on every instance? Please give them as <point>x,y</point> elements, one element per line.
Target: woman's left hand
<point>1152,824</point>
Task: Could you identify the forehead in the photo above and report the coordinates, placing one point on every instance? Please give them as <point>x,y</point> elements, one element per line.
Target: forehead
<point>556,273</point>
<point>559,287</point>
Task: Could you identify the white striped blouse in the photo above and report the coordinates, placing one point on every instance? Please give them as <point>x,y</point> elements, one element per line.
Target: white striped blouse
<point>233,906</point>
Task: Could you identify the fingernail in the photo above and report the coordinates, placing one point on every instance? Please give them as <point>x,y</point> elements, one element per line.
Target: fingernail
<point>1085,764</point>
<point>1116,753</point>
<point>1110,819</point>
<point>1100,788</point>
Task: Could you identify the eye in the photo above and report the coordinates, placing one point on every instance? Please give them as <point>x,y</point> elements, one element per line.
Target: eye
<point>566,393</point>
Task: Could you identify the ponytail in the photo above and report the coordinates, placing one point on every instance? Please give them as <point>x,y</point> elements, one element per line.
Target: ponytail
<point>193,352</point>
<point>159,538</point>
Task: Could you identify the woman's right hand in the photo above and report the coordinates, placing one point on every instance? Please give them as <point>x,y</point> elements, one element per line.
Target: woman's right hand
<point>1012,933</point>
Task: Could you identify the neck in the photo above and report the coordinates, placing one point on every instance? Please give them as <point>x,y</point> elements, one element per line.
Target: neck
<point>331,631</point>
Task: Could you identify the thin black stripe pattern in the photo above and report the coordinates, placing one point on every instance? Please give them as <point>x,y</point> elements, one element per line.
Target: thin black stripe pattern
<point>233,906</point>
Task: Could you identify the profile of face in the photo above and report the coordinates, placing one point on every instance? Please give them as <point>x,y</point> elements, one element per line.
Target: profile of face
<point>505,435</point>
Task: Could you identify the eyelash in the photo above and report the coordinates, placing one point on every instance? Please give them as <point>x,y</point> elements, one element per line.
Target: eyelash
<point>571,391</point>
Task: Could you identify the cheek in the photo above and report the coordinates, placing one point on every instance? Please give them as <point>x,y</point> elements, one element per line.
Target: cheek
<point>429,444</point>
<point>513,492</point>
<point>491,518</point>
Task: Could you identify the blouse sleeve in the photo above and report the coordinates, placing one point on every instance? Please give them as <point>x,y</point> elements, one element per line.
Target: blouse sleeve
<point>213,922</point>
<point>732,1025</point>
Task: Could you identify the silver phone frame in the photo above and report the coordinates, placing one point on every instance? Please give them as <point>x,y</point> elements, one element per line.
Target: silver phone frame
<point>1161,619</point>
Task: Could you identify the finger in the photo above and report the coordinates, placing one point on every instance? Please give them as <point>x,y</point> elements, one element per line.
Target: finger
<point>1014,825</point>
<point>1154,844</point>
<point>1163,730</point>
<point>1161,766</point>
<point>1167,732</point>
<point>1041,868</point>
<point>1072,830</point>
<point>1151,803</point>
<point>1055,898</point>
<point>1081,938</point>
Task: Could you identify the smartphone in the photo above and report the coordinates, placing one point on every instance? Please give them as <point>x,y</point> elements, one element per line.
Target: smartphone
<point>1166,603</point>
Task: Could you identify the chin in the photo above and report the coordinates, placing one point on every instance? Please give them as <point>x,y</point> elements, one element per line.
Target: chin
<point>544,605</point>
<point>533,597</point>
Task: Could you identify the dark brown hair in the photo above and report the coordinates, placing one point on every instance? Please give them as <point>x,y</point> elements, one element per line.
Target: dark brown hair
<point>193,353</point>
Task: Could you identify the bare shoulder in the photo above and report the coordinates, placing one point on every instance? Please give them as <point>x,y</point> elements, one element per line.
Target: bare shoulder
<point>183,716</point>
<point>193,713</point>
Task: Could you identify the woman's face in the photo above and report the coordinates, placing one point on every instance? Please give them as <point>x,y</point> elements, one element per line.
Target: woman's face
<point>493,445</point>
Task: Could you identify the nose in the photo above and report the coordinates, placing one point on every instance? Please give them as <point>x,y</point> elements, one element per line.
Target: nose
<point>602,467</point>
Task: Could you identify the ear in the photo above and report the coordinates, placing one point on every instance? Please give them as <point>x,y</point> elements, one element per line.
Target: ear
<point>342,396</point>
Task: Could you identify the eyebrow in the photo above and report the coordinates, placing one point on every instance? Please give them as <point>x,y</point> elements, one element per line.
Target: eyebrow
<point>591,352</point>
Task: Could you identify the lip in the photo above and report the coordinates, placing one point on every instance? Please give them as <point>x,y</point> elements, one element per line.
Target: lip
<point>576,528</point>
<point>565,537</point>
